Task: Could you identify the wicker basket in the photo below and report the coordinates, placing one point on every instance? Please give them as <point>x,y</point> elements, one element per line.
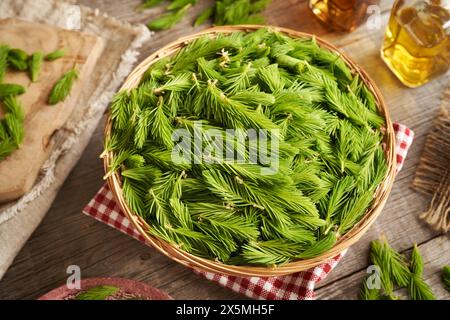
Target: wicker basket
<point>344,242</point>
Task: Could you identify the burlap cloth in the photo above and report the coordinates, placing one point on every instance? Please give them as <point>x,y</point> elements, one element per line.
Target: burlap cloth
<point>19,219</point>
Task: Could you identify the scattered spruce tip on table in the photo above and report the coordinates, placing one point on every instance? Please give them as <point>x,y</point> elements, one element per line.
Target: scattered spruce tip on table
<point>331,158</point>
<point>57,54</point>
<point>4,49</point>
<point>11,125</point>
<point>10,89</point>
<point>394,271</point>
<point>12,129</point>
<point>18,59</point>
<point>35,62</point>
<point>223,12</point>
<point>63,86</point>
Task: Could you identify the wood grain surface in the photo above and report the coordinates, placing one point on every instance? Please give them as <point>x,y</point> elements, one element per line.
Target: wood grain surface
<point>20,169</point>
<point>67,237</point>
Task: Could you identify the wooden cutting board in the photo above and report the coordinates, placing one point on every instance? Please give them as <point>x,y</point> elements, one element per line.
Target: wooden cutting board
<point>19,171</point>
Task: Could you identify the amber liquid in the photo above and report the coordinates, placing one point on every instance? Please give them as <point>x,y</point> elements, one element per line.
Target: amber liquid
<point>416,45</point>
<point>342,15</point>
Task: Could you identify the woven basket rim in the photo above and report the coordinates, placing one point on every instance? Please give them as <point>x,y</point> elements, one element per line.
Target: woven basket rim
<point>203,264</point>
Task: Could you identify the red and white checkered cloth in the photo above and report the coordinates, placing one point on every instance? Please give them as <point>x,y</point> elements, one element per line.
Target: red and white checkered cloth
<point>298,286</point>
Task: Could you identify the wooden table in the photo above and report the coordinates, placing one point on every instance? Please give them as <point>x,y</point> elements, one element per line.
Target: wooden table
<point>67,237</point>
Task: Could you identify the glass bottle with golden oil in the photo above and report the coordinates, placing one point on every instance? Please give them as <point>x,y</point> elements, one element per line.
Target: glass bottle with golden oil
<point>417,41</point>
<point>342,15</point>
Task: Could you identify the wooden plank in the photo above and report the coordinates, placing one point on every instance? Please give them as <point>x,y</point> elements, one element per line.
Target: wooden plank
<point>433,253</point>
<point>20,169</point>
<point>66,237</point>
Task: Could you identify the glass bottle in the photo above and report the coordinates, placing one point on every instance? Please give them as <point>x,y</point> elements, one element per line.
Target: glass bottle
<point>342,15</point>
<point>417,41</point>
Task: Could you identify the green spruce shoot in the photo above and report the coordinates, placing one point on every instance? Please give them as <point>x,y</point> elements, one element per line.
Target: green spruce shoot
<point>62,87</point>
<point>34,65</point>
<point>57,54</point>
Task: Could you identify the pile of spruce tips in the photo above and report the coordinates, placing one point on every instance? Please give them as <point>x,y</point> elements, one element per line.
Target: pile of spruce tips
<point>330,154</point>
<point>222,12</point>
<point>393,271</point>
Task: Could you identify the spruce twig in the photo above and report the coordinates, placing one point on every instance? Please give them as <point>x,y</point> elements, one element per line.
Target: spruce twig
<point>205,15</point>
<point>62,87</point>
<point>97,293</point>
<point>9,89</point>
<point>369,294</point>
<point>168,20</point>
<point>4,49</point>
<point>418,289</point>
<point>35,62</point>
<point>18,59</point>
<point>396,271</point>
<point>57,54</point>
<point>148,4</point>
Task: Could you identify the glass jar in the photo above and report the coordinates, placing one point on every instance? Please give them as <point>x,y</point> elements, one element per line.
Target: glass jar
<point>342,15</point>
<point>417,41</point>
